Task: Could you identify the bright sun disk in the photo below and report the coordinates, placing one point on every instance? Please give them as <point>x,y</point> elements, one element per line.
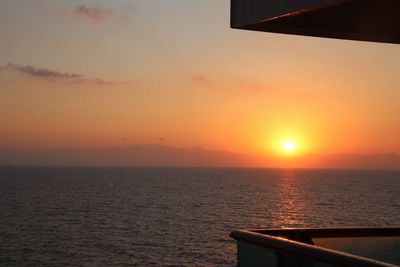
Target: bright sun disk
<point>288,146</point>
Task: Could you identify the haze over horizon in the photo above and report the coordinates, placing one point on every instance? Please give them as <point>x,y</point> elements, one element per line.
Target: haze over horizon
<point>158,155</point>
<point>98,74</point>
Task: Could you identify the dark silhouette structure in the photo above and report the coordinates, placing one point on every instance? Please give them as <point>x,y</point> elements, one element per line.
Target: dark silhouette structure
<point>363,20</point>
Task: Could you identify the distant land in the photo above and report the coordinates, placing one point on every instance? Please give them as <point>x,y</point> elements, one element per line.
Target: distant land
<point>161,155</point>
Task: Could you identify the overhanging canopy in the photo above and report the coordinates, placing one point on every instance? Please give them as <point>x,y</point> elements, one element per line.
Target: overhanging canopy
<point>363,20</point>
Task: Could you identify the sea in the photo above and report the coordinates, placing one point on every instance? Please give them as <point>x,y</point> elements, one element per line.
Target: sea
<point>92,216</point>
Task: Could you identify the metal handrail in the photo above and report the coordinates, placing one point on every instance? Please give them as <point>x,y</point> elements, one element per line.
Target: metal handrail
<point>333,232</point>
<point>283,245</point>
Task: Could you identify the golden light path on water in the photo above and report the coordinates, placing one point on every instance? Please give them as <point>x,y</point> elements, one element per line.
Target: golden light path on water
<point>290,209</point>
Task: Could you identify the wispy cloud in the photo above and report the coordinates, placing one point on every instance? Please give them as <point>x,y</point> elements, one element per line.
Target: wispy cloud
<point>199,78</point>
<point>41,73</point>
<point>256,86</point>
<point>243,85</point>
<point>95,14</point>
<point>50,75</point>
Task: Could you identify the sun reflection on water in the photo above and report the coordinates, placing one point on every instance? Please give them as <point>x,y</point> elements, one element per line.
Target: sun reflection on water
<point>289,210</point>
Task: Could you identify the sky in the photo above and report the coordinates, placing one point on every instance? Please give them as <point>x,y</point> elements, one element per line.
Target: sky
<point>95,74</point>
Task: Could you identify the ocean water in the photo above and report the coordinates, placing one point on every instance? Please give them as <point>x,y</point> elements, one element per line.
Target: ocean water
<point>174,216</point>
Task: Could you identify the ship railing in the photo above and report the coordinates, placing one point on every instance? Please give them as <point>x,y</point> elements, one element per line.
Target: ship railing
<point>344,247</point>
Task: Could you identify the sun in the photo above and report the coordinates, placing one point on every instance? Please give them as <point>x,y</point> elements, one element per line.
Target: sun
<point>288,146</point>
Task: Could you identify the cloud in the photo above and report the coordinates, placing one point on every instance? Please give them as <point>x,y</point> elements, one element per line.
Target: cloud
<point>256,87</point>
<point>199,78</point>
<point>50,75</point>
<point>40,73</point>
<point>95,14</point>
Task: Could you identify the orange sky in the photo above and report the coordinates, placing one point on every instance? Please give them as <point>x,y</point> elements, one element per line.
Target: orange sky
<point>148,70</point>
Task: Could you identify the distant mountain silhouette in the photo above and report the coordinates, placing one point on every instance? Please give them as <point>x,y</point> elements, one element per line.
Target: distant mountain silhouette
<point>135,155</point>
<point>353,161</point>
<point>161,155</point>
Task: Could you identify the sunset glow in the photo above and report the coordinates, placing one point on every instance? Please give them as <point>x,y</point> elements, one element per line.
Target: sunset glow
<point>122,77</point>
<point>288,147</point>
<point>150,132</point>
